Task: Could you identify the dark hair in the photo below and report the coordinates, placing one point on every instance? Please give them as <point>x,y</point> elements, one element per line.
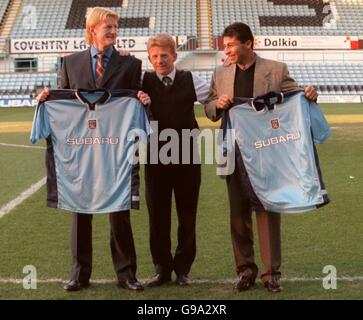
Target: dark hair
<point>240,30</point>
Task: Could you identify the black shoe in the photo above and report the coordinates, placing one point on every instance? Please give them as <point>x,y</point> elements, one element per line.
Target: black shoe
<point>183,280</point>
<point>132,285</point>
<point>75,285</point>
<point>158,280</point>
<point>273,285</point>
<point>244,283</point>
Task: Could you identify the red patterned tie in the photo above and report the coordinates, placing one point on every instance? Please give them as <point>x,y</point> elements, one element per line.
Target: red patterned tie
<point>99,69</point>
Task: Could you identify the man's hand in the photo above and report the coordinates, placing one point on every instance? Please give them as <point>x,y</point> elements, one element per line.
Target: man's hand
<point>226,62</point>
<point>311,93</point>
<point>223,102</point>
<point>144,98</point>
<point>43,95</point>
<point>124,53</point>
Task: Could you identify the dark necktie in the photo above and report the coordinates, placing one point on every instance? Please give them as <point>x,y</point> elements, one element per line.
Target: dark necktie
<point>99,69</point>
<point>167,82</point>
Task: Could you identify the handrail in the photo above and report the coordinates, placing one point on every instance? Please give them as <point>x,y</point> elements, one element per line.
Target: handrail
<point>190,45</point>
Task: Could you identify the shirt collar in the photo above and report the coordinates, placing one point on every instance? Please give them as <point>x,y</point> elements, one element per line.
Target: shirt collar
<point>107,53</point>
<point>171,75</point>
<point>247,66</point>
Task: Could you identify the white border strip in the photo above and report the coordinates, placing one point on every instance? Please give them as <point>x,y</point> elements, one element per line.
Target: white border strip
<point>20,146</point>
<point>23,196</point>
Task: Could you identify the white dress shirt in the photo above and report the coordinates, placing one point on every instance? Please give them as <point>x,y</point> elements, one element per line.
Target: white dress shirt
<point>201,85</point>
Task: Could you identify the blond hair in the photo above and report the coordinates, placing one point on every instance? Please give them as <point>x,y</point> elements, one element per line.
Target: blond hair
<point>95,16</point>
<point>163,40</point>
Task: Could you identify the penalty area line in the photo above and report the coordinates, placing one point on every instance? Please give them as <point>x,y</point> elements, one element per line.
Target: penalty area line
<point>20,146</point>
<point>22,197</point>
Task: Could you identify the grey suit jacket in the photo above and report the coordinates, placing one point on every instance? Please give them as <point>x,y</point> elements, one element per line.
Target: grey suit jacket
<point>270,75</point>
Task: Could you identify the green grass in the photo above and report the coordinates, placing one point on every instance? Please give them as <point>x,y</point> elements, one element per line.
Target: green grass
<point>35,235</point>
<point>19,169</point>
<point>16,114</point>
<point>312,290</point>
<point>349,108</point>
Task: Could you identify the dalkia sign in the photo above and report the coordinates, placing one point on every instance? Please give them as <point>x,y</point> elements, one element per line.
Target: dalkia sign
<point>60,45</point>
<point>305,42</point>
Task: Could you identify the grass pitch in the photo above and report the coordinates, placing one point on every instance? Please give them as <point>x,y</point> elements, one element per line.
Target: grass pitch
<point>32,234</point>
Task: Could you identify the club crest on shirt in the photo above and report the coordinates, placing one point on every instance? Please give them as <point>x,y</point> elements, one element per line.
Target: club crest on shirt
<point>92,124</point>
<point>275,123</point>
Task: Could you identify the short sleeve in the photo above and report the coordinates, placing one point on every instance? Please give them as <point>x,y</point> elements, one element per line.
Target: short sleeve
<point>319,126</point>
<point>144,122</point>
<point>140,130</point>
<point>40,126</point>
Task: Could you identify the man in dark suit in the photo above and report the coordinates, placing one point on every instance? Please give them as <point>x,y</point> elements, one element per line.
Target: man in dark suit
<point>173,94</point>
<point>101,66</point>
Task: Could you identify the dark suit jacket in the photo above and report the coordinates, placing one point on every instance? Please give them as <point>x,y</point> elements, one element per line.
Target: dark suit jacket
<point>122,72</point>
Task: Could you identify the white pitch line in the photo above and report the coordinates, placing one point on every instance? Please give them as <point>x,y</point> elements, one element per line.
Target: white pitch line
<point>23,196</point>
<point>195,281</point>
<point>20,146</point>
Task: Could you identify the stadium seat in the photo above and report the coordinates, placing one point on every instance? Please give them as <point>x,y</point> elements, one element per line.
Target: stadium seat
<point>66,18</point>
<point>25,84</point>
<point>279,17</point>
<point>329,77</point>
<point>206,75</point>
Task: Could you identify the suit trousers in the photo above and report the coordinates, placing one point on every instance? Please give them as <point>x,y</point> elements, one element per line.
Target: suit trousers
<point>268,226</point>
<point>161,181</point>
<point>121,242</point>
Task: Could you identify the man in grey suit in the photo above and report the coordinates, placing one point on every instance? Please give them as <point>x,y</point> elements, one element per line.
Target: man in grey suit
<point>100,66</point>
<point>248,75</point>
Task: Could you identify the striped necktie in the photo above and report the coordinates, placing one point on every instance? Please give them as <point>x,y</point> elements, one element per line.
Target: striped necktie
<point>99,68</point>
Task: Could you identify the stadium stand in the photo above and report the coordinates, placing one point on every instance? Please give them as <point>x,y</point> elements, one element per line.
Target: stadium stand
<point>24,84</point>
<point>65,18</point>
<point>3,7</point>
<point>291,17</point>
<point>328,78</point>
<point>206,75</point>
<point>342,78</point>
